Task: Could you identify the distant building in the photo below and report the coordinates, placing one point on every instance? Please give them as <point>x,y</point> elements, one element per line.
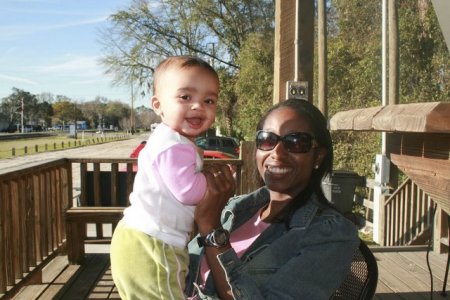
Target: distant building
<point>82,125</point>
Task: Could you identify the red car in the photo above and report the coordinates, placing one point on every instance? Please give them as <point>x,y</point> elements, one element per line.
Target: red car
<point>209,154</point>
<point>217,154</point>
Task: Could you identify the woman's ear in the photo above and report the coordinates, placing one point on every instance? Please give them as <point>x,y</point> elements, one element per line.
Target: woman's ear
<point>321,152</point>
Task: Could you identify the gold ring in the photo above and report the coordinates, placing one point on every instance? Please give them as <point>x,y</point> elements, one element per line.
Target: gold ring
<point>217,173</point>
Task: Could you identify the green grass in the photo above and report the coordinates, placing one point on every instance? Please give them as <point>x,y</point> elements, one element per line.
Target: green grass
<point>48,143</point>
<point>367,238</point>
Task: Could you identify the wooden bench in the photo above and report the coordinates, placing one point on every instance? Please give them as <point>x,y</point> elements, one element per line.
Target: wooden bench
<point>77,219</point>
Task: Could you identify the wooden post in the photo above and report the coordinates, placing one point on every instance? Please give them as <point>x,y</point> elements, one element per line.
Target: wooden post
<point>394,64</point>
<point>381,220</point>
<point>250,177</point>
<point>288,62</point>
<point>322,57</point>
<point>440,232</point>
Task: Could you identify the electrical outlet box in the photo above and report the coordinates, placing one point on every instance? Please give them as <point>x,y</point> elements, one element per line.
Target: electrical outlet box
<point>297,90</point>
<point>381,168</point>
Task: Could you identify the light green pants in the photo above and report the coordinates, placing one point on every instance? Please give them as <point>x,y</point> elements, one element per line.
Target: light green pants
<point>144,267</point>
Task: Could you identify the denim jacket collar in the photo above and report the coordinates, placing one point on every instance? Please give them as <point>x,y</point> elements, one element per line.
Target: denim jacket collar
<point>242,208</point>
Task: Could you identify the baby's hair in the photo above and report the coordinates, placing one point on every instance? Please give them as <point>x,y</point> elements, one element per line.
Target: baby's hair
<point>182,61</point>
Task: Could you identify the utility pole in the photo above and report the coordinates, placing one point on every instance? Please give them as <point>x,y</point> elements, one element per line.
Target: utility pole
<point>211,61</point>
<point>132,109</point>
<point>21,116</point>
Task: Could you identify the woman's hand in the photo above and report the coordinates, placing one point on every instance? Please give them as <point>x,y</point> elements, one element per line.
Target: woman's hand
<point>221,186</point>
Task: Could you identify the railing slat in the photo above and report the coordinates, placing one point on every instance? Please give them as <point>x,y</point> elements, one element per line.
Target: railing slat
<point>83,183</point>
<point>114,184</point>
<point>7,215</point>
<point>3,200</point>
<point>30,226</point>
<point>15,230</point>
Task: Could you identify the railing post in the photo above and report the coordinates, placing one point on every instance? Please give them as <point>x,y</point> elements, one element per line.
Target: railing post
<point>381,216</point>
<point>381,170</point>
<point>440,232</point>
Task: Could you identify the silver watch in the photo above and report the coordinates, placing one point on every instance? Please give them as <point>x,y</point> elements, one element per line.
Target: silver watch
<point>218,238</point>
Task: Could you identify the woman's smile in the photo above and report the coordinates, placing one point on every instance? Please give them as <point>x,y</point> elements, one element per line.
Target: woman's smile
<point>278,170</point>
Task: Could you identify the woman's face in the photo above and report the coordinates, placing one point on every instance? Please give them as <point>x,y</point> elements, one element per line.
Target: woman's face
<point>285,172</point>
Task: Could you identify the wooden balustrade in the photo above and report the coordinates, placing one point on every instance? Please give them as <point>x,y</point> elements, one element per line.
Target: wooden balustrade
<point>33,202</point>
<point>408,215</point>
<point>105,188</point>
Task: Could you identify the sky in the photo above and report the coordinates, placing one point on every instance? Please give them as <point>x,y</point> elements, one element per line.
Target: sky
<point>52,46</point>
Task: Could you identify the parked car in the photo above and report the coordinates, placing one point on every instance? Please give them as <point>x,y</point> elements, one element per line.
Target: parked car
<point>210,154</point>
<point>219,143</point>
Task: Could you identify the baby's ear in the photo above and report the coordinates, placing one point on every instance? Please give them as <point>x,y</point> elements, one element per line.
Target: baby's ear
<point>156,104</point>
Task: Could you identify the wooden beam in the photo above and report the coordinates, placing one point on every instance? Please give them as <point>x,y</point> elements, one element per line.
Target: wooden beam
<point>414,117</point>
<point>286,38</point>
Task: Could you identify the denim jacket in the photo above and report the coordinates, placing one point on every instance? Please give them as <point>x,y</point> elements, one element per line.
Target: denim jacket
<point>306,259</point>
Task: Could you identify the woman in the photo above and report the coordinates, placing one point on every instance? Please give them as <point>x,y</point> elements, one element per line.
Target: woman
<point>286,241</point>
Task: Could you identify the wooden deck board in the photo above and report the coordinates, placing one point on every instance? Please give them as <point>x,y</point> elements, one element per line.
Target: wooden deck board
<point>87,277</point>
<point>402,275</point>
<point>398,276</point>
<point>30,291</point>
<point>405,275</point>
<point>54,269</point>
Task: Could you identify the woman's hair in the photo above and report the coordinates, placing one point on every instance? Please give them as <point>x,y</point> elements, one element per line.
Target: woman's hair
<point>319,126</point>
<point>182,61</point>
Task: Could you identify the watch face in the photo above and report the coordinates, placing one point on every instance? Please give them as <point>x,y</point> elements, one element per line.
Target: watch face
<point>221,237</point>
<point>217,238</point>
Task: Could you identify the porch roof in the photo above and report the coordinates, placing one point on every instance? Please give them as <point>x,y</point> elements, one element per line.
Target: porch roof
<point>430,117</point>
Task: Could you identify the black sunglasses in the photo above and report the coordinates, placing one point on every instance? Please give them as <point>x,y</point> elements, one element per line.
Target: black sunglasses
<point>296,142</point>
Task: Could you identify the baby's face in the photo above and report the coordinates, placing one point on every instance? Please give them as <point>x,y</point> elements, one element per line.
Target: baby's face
<point>186,99</point>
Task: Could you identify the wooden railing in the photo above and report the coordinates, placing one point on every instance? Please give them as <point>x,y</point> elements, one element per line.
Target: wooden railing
<point>408,215</point>
<point>109,182</point>
<point>104,182</point>
<point>105,185</point>
<point>33,202</point>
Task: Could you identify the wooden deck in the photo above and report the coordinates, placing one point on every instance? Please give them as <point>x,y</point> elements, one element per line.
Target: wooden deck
<point>402,275</point>
<point>405,275</point>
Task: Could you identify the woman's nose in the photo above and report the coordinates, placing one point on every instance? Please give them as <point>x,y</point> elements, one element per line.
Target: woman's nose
<point>279,150</point>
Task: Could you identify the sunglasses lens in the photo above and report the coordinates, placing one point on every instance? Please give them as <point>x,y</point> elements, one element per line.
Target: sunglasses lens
<point>266,140</point>
<point>298,142</point>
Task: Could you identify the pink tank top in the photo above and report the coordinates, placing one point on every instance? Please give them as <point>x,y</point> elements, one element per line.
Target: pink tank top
<point>240,240</point>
